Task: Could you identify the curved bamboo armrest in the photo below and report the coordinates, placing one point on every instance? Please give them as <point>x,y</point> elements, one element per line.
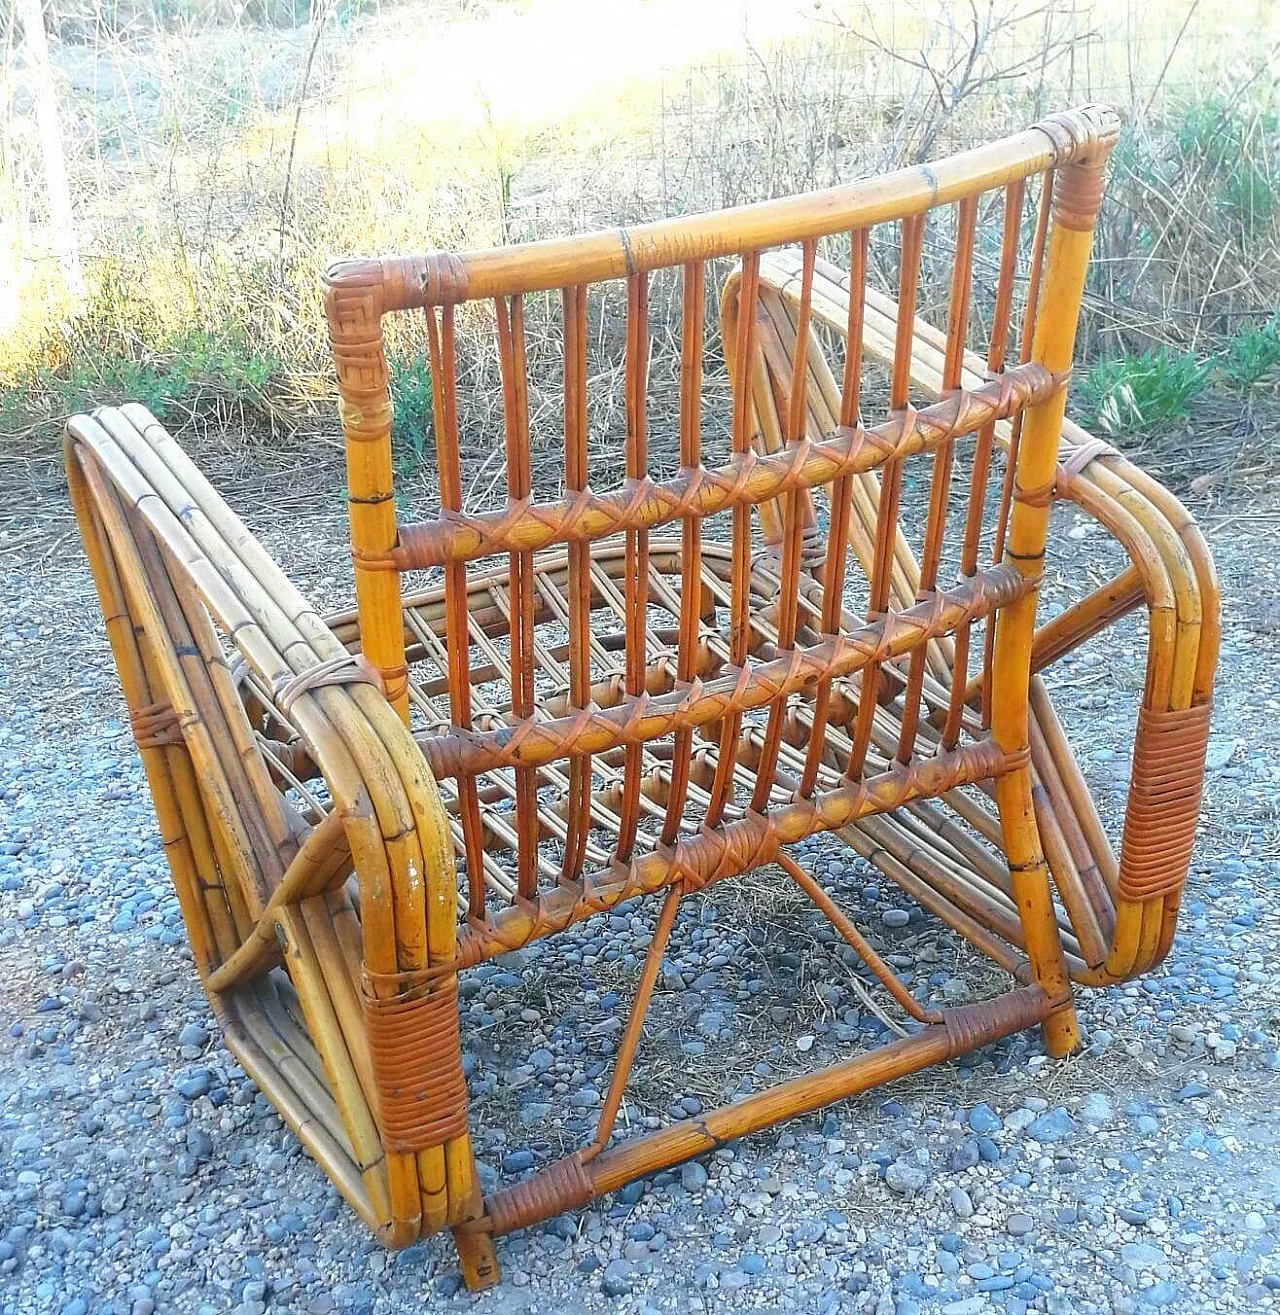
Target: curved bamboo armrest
<point>382,1101</point>
<point>1124,911</point>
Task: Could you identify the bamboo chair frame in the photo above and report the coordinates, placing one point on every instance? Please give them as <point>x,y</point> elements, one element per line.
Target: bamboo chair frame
<point>605,710</point>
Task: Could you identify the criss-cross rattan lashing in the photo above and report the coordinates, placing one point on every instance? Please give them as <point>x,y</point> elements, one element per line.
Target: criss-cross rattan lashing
<point>642,669</point>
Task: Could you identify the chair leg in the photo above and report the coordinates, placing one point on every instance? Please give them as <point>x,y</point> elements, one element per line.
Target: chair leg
<point>1030,878</point>
<point>476,1256</point>
<point>1061,1031</point>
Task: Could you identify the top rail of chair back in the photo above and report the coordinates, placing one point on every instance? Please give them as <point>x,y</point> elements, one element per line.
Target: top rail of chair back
<point>1068,149</point>
<point>444,278</point>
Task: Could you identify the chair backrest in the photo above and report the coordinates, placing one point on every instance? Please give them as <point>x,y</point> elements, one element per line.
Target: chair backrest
<point>801,455</point>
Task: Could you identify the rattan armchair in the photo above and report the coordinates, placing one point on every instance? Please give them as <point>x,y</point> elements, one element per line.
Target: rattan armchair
<point>647,688</point>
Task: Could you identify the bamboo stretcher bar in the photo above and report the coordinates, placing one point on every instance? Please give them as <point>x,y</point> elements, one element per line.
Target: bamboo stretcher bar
<point>645,503</point>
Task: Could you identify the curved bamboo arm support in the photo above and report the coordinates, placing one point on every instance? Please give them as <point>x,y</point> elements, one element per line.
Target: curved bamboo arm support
<point>138,493</point>
<point>1126,917</point>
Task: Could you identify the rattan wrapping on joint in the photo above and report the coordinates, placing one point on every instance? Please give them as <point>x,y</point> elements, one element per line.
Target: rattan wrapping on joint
<point>1164,799</point>
<point>155,725</point>
<point>1039,497</point>
<point>969,1026</point>
<point>417,1060</point>
<point>561,1186</point>
<point>1077,459</point>
<point>347,669</point>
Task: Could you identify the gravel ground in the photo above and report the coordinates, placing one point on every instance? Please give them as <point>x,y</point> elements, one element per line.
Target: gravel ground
<point>140,1171</point>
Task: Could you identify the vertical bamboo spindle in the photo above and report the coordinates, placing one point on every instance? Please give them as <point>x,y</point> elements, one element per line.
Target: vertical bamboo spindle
<point>961,283</point>
<point>637,549</point>
<point>693,295</point>
<point>880,584</point>
<point>833,569</point>
<point>353,302</point>
<point>578,802</point>
<point>980,476</point>
<point>740,596</point>
<point>1077,195</point>
<point>1015,426</point>
<point>792,528</point>
<point>443,354</point>
<point>520,584</point>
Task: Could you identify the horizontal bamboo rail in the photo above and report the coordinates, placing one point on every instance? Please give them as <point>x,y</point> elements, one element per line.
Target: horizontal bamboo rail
<point>413,282</point>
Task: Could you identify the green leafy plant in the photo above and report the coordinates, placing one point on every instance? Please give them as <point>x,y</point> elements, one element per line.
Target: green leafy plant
<point>1141,392</point>
<point>1232,139</point>
<point>412,427</point>
<point>194,372</point>
<point>1252,356</point>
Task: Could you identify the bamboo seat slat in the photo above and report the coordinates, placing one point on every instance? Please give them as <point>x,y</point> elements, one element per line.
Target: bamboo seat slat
<point>648,683</point>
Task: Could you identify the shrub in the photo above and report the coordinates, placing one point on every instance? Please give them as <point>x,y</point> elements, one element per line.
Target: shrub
<point>1252,356</point>
<point>1141,392</point>
<point>410,387</point>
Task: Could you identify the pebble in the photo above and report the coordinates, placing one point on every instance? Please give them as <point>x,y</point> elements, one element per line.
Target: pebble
<point>983,1119</point>
<point>965,1155</point>
<point>1096,1109</point>
<point>693,1177</point>
<point>905,1178</point>
<point>1055,1126</point>
<point>193,1035</point>
<point>617,1279</point>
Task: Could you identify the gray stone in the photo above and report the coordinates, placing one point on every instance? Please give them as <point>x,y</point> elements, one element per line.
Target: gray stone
<point>193,1084</point>
<point>693,1177</point>
<point>984,1120</point>
<point>1096,1109</point>
<point>199,1143</point>
<point>965,1155</point>
<point>193,1035</point>
<point>616,1280</point>
<point>1055,1126</point>
<point>1164,1293</point>
<point>1142,1255</point>
<point>905,1178</point>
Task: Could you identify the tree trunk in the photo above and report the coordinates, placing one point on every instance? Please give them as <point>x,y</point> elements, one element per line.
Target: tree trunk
<point>61,222</point>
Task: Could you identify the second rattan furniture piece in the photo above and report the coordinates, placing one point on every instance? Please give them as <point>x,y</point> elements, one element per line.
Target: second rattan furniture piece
<point>648,682</point>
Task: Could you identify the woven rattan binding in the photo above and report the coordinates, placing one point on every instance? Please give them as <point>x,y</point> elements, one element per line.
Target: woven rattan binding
<point>1164,796</point>
<point>155,725</point>
<point>413,1044</point>
<point>562,1185</point>
<point>967,1024</point>
<point>1077,459</point>
<point>347,669</point>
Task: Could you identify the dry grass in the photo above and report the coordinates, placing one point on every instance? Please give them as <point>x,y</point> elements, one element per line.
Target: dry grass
<point>219,161</point>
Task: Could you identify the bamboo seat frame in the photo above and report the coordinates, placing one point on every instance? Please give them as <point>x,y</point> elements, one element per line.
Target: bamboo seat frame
<point>612,708</point>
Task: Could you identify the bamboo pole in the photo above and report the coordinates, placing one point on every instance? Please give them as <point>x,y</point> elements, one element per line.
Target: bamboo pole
<point>1077,194</point>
